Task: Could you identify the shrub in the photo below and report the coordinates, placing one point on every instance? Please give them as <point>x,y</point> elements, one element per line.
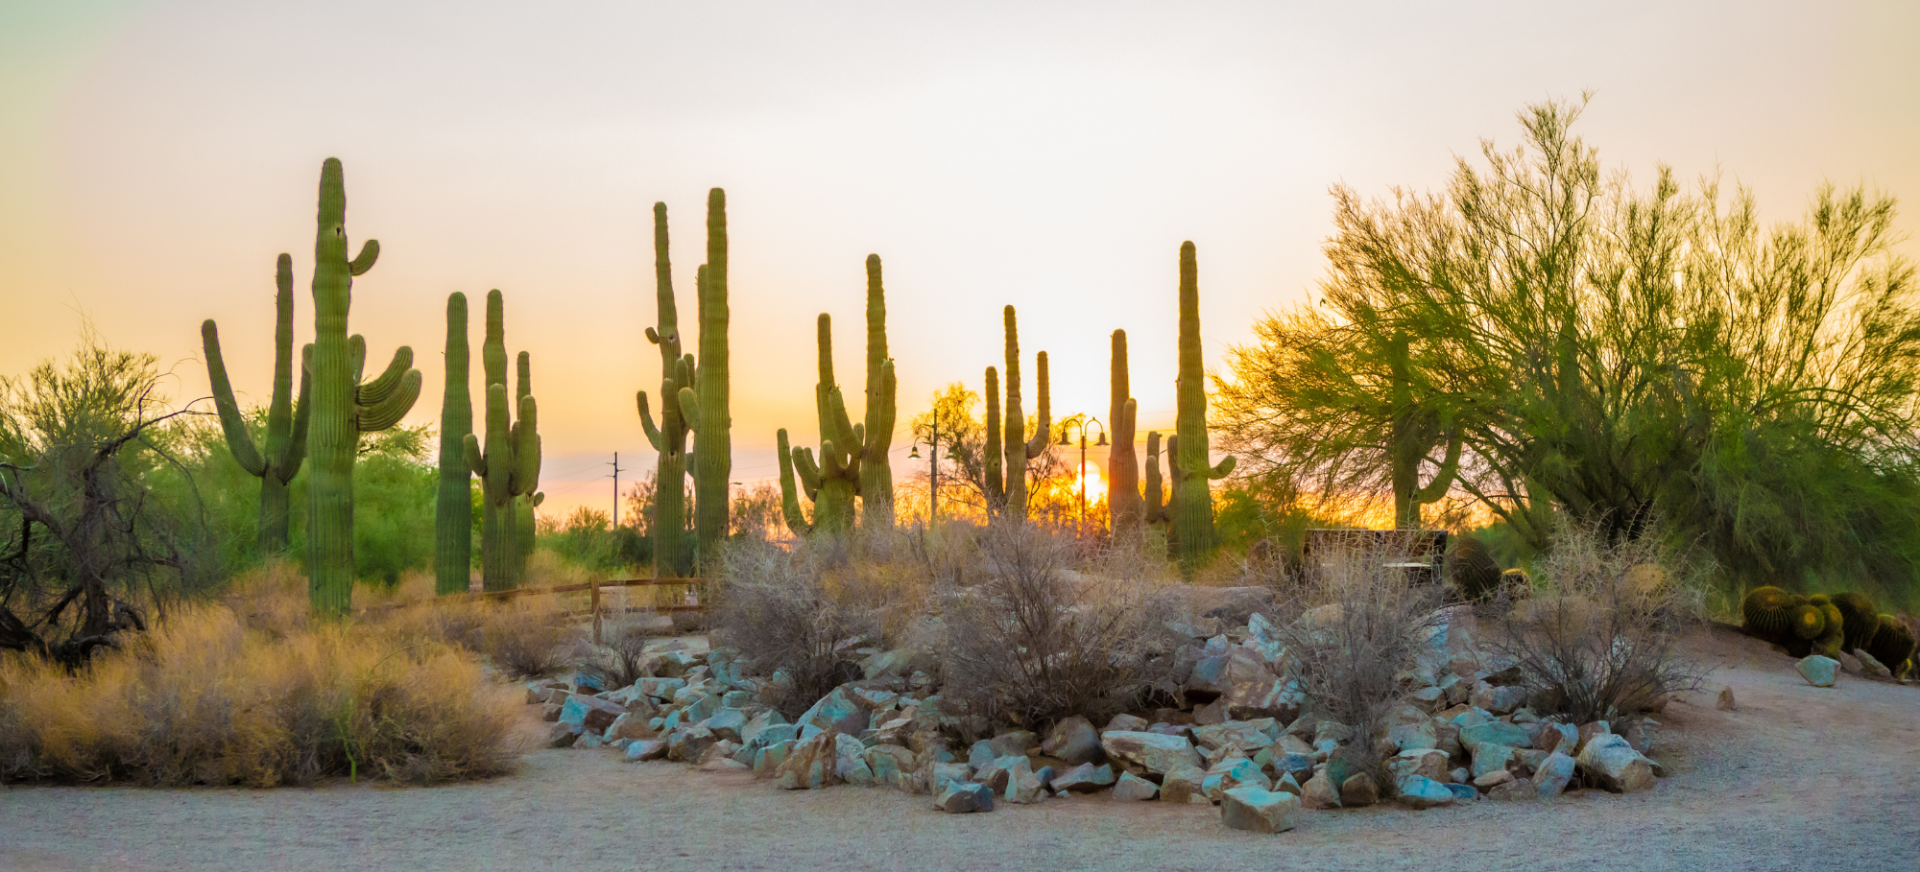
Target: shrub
<point>528,636</point>
<point>1351,627</point>
<point>203,699</point>
<point>1598,637</point>
<point>1027,642</point>
<point>796,615</point>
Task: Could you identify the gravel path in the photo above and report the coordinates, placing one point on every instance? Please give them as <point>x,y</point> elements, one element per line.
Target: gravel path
<point>1797,778</point>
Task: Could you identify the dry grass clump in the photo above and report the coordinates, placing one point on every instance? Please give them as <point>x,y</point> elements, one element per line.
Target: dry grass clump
<point>206,699</point>
<point>1028,643</point>
<point>1350,626</point>
<point>796,615</point>
<point>1597,638</point>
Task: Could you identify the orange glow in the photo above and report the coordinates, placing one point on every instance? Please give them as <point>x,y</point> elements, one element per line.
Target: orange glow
<point>1095,482</point>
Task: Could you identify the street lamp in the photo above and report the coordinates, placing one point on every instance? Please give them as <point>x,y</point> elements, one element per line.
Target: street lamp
<point>933,467</point>
<point>1082,423</point>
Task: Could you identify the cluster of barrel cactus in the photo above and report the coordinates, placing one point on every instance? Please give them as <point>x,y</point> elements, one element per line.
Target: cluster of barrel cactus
<point>1828,625</point>
<point>852,461</point>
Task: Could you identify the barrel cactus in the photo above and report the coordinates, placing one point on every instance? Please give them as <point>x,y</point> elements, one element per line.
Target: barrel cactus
<point>1476,575</point>
<point>286,436</point>
<point>1892,644</point>
<point>1832,630</point>
<point>1859,617</point>
<point>344,407</point>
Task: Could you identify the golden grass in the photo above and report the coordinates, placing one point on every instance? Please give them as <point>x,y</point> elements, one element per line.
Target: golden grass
<point>249,691</point>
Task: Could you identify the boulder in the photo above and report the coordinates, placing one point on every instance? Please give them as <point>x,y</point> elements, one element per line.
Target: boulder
<point>593,713</point>
<point>1725,702</point>
<point>1564,738</point>
<point>1285,782</point>
<point>1589,731</point>
<point>1248,736</point>
<point>1498,700</point>
<point>1817,670</point>
<point>1612,764</point>
<point>1418,792</point>
<point>766,761</point>
<point>1265,698</point>
<point>722,748</point>
<point>1871,666</point>
<point>1494,779</point>
<point>728,724</point>
<point>850,761</point>
<point>563,735</point>
<point>1132,788</point>
<point>629,726</point>
<point>963,797</point>
<point>809,764</point>
<point>686,745</point>
<point>837,712</point>
<point>646,749</point>
<point>1016,743</point>
<point>1231,773</point>
<point>1074,741</point>
<point>941,774</point>
<point>1495,732</point>
<point>1413,737</point>
<point>1489,758</point>
<point>1359,791</point>
<point>1551,776</point>
<point>1023,786</point>
<point>1425,762</point>
<point>1259,811</point>
<point>1212,713</point>
<point>1464,792</point>
<point>1184,784</point>
<point>980,755</point>
<point>892,766</point>
<point>660,688</point>
<point>1126,723</point>
<point>1155,753</point>
<point>1084,778</point>
<point>1320,792</point>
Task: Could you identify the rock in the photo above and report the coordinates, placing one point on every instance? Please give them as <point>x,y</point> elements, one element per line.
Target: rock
<point>1529,760</point>
<point>888,663</point>
<point>1320,792</point>
<point>1259,811</point>
<point>1152,752</point>
<point>994,775</point>
<point>1818,670</point>
<point>1016,743</point>
<point>1517,790</point>
<point>588,742</point>
<point>1493,779</point>
<point>892,766</point>
<point>1489,758</point>
<point>1359,791</point>
<point>1084,778</point>
<point>1871,667</point>
<point>1413,737</point>
<point>1132,788</point>
<point>1212,713</point>
<point>588,683</point>
<point>593,713</point>
<point>1300,766</point>
<point>550,712</point>
<point>1464,792</point>
<point>1184,784</point>
<point>1498,700</point>
<point>729,724</point>
<point>963,797</point>
<point>1849,663</point>
<point>1418,792</point>
<point>1640,733</point>
<point>1495,732</point>
<point>629,726</point>
<point>980,755</point>
<point>1074,741</point>
<point>1285,782</point>
<point>646,749</point>
<point>1459,775</point>
<point>767,760</point>
<point>809,764</point>
<point>688,744</point>
<point>1725,702</point>
<point>1127,724</point>
<point>1425,762</point>
<point>850,761</point>
<point>563,735</point>
<point>1023,787</point>
<point>1231,773</point>
<point>837,712</point>
<point>1612,764</point>
<point>1563,738</point>
<point>722,748</point>
<point>660,688</point>
<point>941,774</point>
<point>722,764</point>
<point>1248,736</point>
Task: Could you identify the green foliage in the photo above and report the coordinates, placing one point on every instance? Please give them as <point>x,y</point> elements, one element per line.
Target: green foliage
<point>1603,350</point>
<point>588,539</point>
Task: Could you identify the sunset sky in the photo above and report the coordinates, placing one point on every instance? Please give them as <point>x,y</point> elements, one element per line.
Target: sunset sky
<point>155,157</point>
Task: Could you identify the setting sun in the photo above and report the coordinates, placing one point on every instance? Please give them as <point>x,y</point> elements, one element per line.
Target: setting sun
<point>1095,482</point>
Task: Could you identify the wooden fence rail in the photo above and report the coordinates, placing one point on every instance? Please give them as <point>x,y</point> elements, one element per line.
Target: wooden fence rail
<point>592,589</point>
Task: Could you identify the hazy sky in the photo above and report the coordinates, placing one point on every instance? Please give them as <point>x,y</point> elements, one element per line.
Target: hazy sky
<point>156,156</point>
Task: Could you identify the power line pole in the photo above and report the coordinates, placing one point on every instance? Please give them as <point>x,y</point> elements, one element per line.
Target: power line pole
<point>616,489</point>
<point>933,461</point>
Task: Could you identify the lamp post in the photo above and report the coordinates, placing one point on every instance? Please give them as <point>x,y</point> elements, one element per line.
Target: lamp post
<point>1082,423</point>
<point>933,468</point>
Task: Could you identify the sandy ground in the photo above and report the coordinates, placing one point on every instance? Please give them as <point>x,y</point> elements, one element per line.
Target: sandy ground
<point>1796,778</point>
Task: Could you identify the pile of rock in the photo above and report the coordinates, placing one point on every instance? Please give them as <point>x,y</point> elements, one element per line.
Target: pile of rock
<point>1244,742</point>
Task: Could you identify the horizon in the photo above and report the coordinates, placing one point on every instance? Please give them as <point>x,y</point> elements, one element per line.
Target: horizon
<point>156,157</point>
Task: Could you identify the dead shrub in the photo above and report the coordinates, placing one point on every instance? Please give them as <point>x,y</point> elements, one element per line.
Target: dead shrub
<point>1598,636</point>
<point>1028,642</point>
<point>1350,626</point>
<point>619,659</point>
<point>524,637</point>
<point>797,615</point>
<point>203,699</point>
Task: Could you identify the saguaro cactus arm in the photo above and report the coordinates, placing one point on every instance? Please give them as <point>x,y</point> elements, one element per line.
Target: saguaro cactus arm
<point>232,422</point>
<point>302,413</point>
<point>1155,497</point>
<point>1043,415</point>
<point>790,509</point>
<point>646,421</point>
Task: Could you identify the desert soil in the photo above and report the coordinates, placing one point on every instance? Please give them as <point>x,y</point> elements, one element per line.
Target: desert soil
<point>1795,778</point>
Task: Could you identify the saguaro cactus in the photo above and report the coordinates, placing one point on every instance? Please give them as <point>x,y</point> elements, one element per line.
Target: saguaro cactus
<point>1018,447</point>
<point>704,405</point>
<point>876,472</point>
<point>526,484</point>
<point>286,442</point>
<point>1154,505</point>
<point>1415,430</point>
<point>1123,469</point>
<point>1192,536</point>
<point>991,463</point>
<point>508,463</point>
<point>833,480</point>
<point>453,509</point>
<point>343,406</point>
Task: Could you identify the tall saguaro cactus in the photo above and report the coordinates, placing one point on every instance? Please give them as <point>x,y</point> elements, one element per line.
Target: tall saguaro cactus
<point>1415,429</point>
<point>1154,504</point>
<point>286,442</point>
<point>833,480</point>
<point>508,462</point>
<point>1192,536</point>
<point>1123,468</point>
<point>526,494</point>
<point>992,459</point>
<point>453,508</point>
<point>1018,447</point>
<point>876,472</point>
<point>343,406</point>
<point>704,405</point>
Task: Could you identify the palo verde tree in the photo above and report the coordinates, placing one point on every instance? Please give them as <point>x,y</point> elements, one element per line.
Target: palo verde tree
<point>1618,353</point>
